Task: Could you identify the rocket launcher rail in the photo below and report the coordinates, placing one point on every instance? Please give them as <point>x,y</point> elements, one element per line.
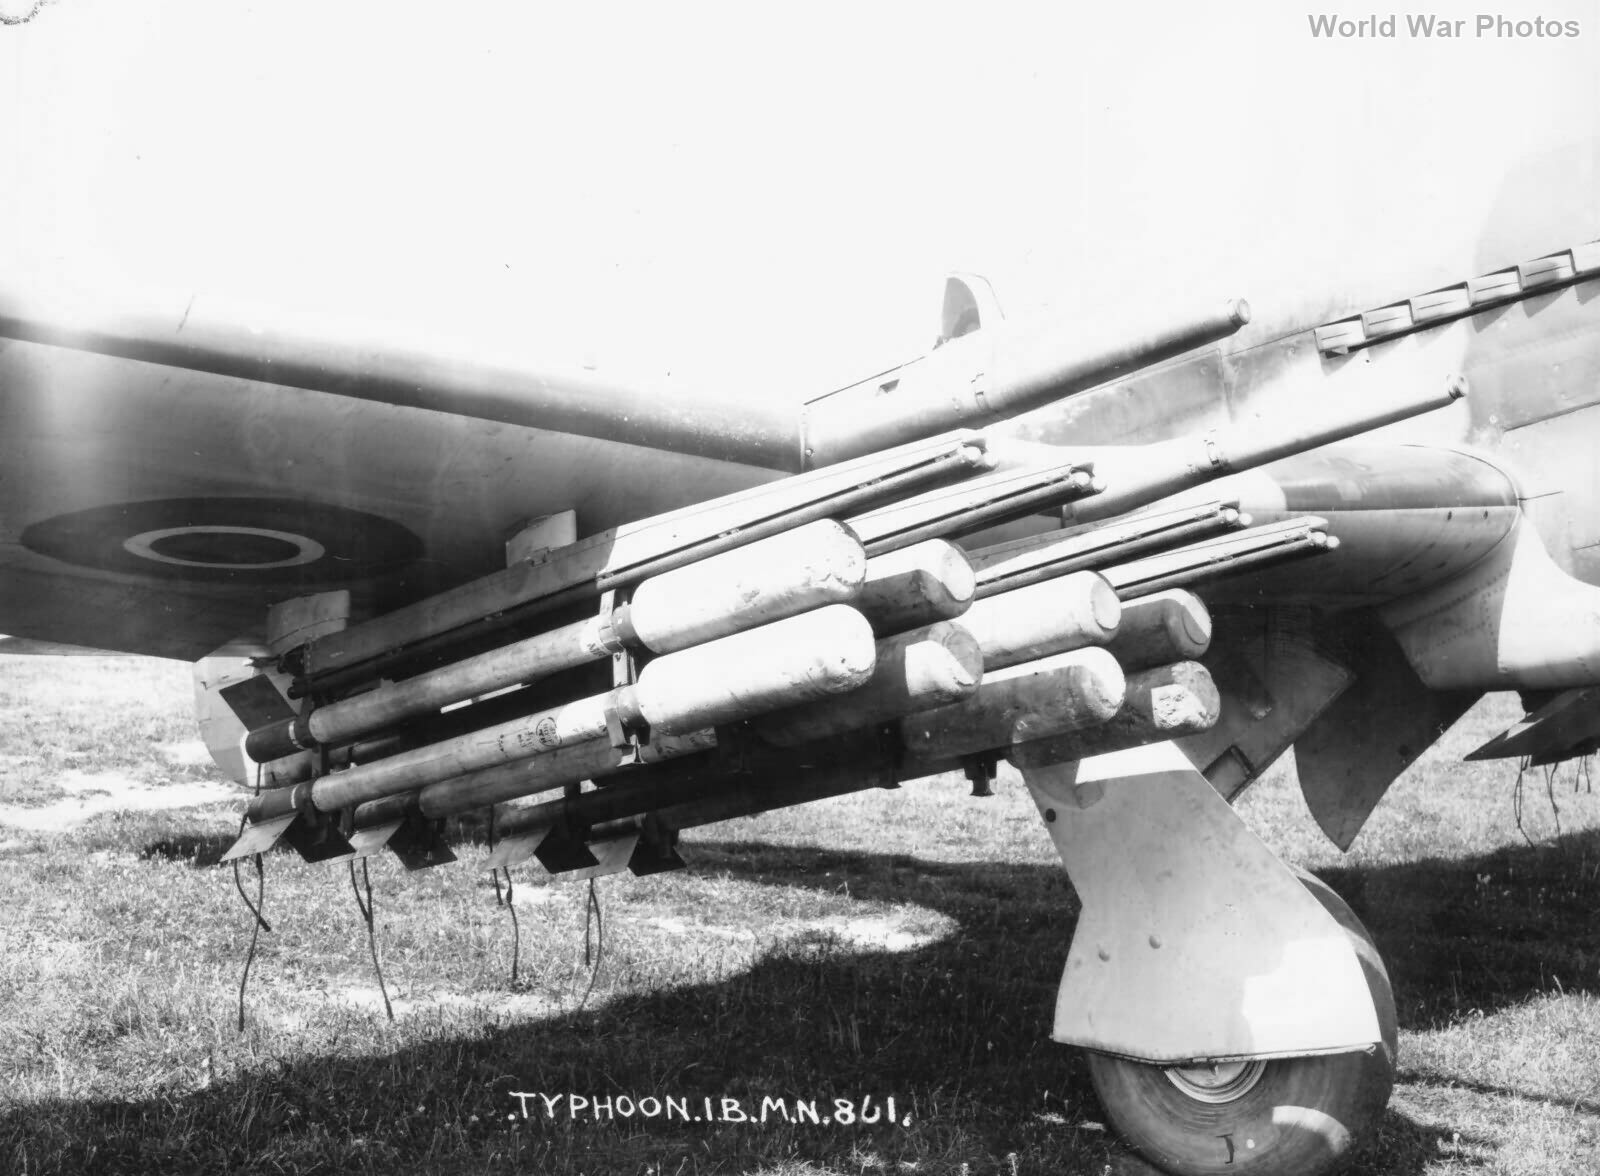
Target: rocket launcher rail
<point>500,707</point>
<point>1253,548</point>
<point>625,556</point>
<point>1133,476</point>
<point>815,563</point>
<point>781,576</point>
<point>915,514</point>
<point>948,512</point>
<point>1037,558</point>
<point>819,563</point>
<point>1138,475</point>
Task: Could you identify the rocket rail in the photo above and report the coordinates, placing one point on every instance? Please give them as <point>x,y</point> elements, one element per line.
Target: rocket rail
<point>782,576</point>
<point>625,556</point>
<point>793,626</point>
<point>1022,562</point>
<point>1252,548</point>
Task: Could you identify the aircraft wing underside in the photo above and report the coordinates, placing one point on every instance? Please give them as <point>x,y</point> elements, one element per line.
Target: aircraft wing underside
<point>150,509</point>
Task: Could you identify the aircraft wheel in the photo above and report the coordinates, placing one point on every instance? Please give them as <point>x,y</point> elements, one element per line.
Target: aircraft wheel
<point>1284,1117</point>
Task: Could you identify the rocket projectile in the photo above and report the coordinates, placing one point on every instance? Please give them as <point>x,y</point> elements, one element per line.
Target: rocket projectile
<point>822,652</point>
<point>1164,703</point>
<point>1063,692</point>
<point>915,671</point>
<point>1052,616</point>
<point>782,576</point>
<point>1160,629</point>
<point>915,586</point>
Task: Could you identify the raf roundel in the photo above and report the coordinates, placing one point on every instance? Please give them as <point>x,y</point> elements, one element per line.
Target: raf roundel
<point>238,540</point>
<point>233,548</point>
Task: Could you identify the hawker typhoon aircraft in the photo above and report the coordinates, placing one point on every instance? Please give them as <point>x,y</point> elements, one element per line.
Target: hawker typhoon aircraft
<point>459,583</point>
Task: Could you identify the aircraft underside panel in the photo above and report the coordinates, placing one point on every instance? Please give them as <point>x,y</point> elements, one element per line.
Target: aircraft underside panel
<point>1274,679</point>
<point>1407,517</point>
<point>155,510</point>
<point>1355,749</point>
<point>1561,485</point>
<point>1515,621</point>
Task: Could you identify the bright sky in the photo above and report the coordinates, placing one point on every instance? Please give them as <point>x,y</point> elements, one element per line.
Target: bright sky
<point>749,197</point>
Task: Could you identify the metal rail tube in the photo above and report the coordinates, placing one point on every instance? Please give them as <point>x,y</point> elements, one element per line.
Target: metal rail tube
<point>1137,475</point>
<point>1041,557</point>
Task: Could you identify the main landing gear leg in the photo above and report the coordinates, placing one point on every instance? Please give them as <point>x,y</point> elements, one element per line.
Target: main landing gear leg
<point>1237,1015</point>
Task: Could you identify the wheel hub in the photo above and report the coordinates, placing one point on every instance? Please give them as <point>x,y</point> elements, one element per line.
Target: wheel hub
<point>1216,1082</point>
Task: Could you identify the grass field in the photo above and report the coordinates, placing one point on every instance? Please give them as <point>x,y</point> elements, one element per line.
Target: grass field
<point>902,944</point>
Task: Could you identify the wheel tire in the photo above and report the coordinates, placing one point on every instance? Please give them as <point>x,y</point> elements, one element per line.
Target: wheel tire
<point>1289,1117</point>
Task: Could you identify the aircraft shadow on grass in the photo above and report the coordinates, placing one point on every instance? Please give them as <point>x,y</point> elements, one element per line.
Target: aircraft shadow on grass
<point>956,1022</point>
